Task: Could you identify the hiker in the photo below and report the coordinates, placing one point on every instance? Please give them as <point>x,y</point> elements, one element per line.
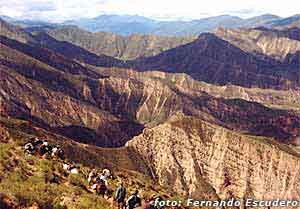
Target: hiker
<point>44,148</point>
<point>134,200</point>
<point>120,196</point>
<point>92,176</point>
<point>29,148</point>
<point>101,178</point>
<point>57,152</point>
<point>100,187</point>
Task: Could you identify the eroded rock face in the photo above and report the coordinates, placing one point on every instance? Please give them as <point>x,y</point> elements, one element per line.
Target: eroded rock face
<point>187,85</point>
<point>186,151</point>
<point>261,41</point>
<point>152,97</point>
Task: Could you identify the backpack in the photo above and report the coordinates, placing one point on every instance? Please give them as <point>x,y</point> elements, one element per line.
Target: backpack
<point>133,201</point>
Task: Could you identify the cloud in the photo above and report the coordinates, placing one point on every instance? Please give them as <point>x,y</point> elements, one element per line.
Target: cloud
<point>59,10</point>
<point>244,13</point>
<point>46,7</point>
<point>51,10</point>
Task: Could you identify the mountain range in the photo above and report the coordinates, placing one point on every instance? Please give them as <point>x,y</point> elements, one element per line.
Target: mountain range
<point>213,115</point>
<point>133,24</point>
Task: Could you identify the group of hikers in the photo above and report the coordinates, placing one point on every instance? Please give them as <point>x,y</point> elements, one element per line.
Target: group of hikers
<point>98,182</point>
<point>134,200</point>
<point>43,148</point>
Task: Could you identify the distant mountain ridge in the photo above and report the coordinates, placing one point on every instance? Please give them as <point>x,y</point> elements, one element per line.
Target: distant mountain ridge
<point>126,24</point>
<point>134,24</point>
<point>283,22</point>
<point>121,47</point>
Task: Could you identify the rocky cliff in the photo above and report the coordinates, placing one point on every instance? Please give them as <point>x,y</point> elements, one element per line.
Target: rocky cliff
<point>185,151</point>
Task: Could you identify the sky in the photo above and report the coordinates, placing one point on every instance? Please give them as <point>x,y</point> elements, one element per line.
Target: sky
<point>61,10</point>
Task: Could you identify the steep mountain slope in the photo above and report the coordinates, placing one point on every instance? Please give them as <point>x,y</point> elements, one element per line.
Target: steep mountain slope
<point>58,98</point>
<point>36,47</point>
<point>13,32</point>
<point>216,61</point>
<point>261,41</point>
<point>47,56</point>
<point>74,52</point>
<point>185,151</point>
<point>123,47</point>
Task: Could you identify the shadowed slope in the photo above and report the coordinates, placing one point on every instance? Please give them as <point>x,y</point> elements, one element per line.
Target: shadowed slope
<point>216,61</point>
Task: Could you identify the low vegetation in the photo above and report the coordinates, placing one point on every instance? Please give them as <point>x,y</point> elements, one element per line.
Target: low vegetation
<point>32,181</point>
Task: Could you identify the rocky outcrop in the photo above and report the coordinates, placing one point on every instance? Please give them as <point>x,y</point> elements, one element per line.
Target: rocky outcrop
<point>185,151</point>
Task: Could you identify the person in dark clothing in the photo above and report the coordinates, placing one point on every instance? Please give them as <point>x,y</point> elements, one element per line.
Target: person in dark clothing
<point>120,196</point>
<point>134,200</point>
<point>45,148</point>
<point>101,188</point>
